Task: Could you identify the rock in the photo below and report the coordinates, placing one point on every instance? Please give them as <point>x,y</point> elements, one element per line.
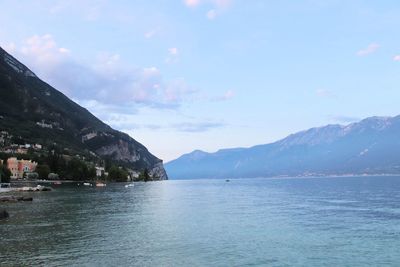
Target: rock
<point>45,189</point>
<point>8,199</point>
<point>124,148</point>
<point>15,199</point>
<point>4,214</point>
<point>158,172</point>
<point>34,189</point>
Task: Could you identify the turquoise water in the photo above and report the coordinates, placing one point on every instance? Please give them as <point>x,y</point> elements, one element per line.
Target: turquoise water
<point>352,221</point>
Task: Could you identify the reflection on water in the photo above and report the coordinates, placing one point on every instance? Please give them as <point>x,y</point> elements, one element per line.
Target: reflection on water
<point>295,222</point>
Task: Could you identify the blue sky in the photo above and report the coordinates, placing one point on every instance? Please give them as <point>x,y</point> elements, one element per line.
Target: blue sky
<point>210,74</point>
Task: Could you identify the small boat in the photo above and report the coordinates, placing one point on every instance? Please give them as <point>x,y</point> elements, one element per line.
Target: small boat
<point>227,180</point>
<point>57,182</point>
<point>100,184</point>
<point>87,184</point>
<point>129,185</point>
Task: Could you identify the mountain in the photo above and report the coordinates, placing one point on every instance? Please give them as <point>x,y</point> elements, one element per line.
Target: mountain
<point>34,112</point>
<point>371,146</point>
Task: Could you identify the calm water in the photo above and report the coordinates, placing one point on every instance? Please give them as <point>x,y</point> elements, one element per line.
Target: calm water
<point>254,222</point>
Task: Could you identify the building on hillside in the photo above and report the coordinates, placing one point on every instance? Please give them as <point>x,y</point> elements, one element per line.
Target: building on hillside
<point>133,175</point>
<point>19,167</point>
<point>100,171</point>
<point>89,136</point>
<point>37,146</point>
<point>43,124</point>
<point>22,150</point>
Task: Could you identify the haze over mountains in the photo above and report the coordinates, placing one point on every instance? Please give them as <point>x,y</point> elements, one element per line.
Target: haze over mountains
<point>371,146</point>
<point>34,112</point>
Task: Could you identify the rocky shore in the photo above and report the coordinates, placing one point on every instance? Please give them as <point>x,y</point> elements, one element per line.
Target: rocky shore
<point>33,189</point>
<point>15,199</point>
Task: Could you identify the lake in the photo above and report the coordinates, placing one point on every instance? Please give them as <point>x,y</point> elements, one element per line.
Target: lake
<point>346,221</point>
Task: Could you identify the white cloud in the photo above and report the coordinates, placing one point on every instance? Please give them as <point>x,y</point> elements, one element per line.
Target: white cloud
<point>197,126</point>
<point>396,58</point>
<point>173,51</point>
<point>218,6</point>
<point>59,7</point>
<point>150,34</point>
<point>111,88</point>
<point>229,94</point>
<point>211,14</point>
<point>42,53</point>
<point>222,3</point>
<point>178,91</point>
<point>324,93</point>
<point>63,50</point>
<point>215,3</point>
<point>173,54</point>
<point>371,48</point>
<point>192,3</point>
<point>108,80</point>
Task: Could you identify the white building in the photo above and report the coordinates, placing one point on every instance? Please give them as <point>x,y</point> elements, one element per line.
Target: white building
<point>100,171</point>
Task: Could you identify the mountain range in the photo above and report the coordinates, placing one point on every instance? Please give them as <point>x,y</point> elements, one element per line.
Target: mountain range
<point>34,112</point>
<point>371,146</point>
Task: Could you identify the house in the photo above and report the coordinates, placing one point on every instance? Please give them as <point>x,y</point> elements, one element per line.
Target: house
<point>37,146</point>
<point>134,174</point>
<point>19,167</point>
<point>43,124</point>
<point>100,171</point>
<point>88,136</point>
<point>22,150</point>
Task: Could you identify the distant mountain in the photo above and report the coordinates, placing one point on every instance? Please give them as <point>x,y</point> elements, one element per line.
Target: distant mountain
<point>371,146</point>
<point>35,112</point>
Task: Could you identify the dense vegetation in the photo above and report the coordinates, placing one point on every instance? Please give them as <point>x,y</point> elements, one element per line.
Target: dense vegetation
<point>4,174</point>
<point>57,166</point>
<point>54,166</point>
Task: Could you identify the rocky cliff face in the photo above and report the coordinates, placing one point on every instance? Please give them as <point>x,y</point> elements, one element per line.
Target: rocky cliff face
<point>125,149</point>
<point>35,112</point>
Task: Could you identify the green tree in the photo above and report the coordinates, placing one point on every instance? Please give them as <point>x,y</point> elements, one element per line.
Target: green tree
<point>145,176</point>
<point>32,175</point>
<point>5,174</point>
<point>117,174</point>
<point>56,162</point>
<point>92,172</point>
<point>53,176</point>
<point>77,169</point>
<point>43,171</point>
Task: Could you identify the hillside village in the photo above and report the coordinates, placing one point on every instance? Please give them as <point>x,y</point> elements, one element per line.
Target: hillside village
<point>31,161</point>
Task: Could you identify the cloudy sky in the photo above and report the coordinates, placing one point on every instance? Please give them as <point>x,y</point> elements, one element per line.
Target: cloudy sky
<point>179,75</point>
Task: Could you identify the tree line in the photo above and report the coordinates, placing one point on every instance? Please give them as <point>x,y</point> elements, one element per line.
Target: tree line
<point>55,166</point>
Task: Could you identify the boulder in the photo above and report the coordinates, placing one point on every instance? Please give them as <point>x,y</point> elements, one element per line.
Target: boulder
<point>4,214</point>
<point>14,199</point>
<point>45,189</point>
<point>8,199</point>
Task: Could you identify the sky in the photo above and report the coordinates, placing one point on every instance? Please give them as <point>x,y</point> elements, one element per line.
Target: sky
<point>180,75</point>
